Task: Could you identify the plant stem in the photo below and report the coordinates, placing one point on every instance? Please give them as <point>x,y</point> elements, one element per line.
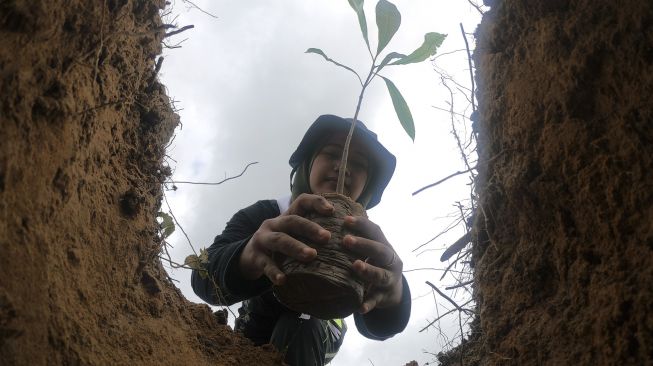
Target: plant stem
<point>340,187</point>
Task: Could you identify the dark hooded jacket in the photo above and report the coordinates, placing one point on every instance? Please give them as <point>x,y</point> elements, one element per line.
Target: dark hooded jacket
<point>262,306</point>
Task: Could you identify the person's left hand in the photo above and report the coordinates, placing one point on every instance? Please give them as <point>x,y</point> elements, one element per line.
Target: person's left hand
<point>381,269</point>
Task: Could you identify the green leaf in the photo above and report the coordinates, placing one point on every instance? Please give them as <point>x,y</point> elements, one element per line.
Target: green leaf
<point>389,57</point>
<point>388,20</point>
<point>401,108</point>
<point>321,53</point>
<point>167,226</point>
<point>357,5</point>
<point>431,43</point>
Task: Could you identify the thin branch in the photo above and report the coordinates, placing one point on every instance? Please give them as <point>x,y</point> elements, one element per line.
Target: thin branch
<point>446,53</point>
<point>168,157</point>
<point>182,29</point>
<point>174,20</point>
<point>451,226</point>
<point>218,293</point>
<point>429,269</point>
<point>463,214</point>
<point>165,249</point>
<point>448,77</point>
<point>436,319</point>
<point>198,8</point>
<point>415,298</point>
<point>174,264</point>
<point>449,111</point>
<point>469,61</point>
<point>448,298</point>
<point>166,12</point>
<point>215,183</point>
<point>172,47</point>
<point>177,223</point>
<point>453,263</point>
<point>442,316</point>
<point>453,127</point>
<point>478,8</point>
<point>465,95</point>
<point>443,180</point>
<point>458,252</point>
<point>427,251</point>
<point>462,338</point>
<point>462,284</point>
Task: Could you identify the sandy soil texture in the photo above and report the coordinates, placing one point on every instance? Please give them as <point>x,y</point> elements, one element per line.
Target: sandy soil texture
<point>84,124</point>
<point>564,252</point>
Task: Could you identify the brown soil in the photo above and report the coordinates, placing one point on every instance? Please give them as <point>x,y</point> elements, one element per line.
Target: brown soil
<point>341,293</point>
<point>84,125</point>
<point>564,254</point>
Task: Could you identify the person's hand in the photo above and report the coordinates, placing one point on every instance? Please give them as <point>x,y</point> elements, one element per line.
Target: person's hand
<point>276,236</point>
<point>381,269</point>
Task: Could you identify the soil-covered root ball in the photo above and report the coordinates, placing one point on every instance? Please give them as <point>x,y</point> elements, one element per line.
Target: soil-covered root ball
<point>326,287</point>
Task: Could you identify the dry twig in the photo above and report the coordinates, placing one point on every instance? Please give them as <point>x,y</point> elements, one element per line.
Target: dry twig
<point>476,6</point>
<point>182,29</point>
<point>469,61</point>
<point>215,183</point>
<point>192,5</point>
<point>462,284</point>
<point>177,223</point>
<point>442,316</point>
<point>443,180</point>
<point>458,307</point>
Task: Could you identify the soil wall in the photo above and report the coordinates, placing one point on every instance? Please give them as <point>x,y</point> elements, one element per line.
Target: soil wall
<point>564,251</point>
<point>83,125</point>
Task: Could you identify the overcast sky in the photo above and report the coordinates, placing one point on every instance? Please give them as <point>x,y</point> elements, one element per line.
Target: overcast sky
<point>248,92</point>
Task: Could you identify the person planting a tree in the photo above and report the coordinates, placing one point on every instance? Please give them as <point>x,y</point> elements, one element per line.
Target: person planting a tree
<point>244,262</point>
<point>301,264</point>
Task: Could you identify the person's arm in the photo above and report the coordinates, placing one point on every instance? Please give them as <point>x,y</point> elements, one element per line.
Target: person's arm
<point>382,323</point>
<point>224,255</point>
<point>242,260</point>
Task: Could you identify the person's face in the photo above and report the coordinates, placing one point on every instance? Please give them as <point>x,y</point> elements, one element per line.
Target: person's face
<point>326,165</point>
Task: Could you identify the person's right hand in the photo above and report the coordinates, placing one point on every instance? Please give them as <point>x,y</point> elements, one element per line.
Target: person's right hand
<point>276,236</point>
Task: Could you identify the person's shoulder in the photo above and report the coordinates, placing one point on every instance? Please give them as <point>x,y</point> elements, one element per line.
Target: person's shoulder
<point>266,208</point>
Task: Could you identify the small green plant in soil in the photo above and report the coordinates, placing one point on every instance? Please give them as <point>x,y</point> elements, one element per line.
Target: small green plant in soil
<point>341,293</point>
<point>388,20</point>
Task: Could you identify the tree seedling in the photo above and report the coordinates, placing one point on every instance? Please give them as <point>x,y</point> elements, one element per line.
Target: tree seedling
<point>388,20</point>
